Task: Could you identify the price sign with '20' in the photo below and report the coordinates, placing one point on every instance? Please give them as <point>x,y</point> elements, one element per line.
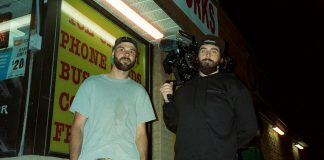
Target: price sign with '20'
<point>13,62</point>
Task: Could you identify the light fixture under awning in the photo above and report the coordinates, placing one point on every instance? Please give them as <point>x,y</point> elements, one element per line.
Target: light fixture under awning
<point>135,18</point>
<point>299,146</point>
<point>278,130</point>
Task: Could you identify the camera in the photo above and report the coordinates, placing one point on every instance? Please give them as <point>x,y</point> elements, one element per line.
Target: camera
<point>181,56</point>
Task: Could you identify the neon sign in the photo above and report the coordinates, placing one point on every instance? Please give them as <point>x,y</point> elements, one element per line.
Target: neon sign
<point>4,36</point>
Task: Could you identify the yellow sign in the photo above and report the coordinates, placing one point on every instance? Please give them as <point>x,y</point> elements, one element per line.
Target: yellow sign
<point>82,51</point>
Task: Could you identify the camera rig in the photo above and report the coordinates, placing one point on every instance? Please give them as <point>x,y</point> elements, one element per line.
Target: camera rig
<point>181,56</point>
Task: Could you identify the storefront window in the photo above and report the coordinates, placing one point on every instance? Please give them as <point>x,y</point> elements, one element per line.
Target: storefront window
<point>15,18</point>
<point>85,44</point>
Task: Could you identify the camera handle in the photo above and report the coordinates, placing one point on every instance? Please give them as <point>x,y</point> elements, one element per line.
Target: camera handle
<point>170,96</point>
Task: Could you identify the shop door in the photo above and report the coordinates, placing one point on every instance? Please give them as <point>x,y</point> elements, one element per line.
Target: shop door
<point>15,18</point>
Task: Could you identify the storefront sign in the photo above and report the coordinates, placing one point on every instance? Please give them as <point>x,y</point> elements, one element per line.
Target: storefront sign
<point>203,13</point>
<point>18,58</point>
<point>82,52</point>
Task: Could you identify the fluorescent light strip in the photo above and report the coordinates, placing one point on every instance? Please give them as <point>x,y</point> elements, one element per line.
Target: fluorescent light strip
<point>299,146</point>
<point>82,19</point>
<point>134,17</point>
<point>279,131</point>
<point>15,23</point>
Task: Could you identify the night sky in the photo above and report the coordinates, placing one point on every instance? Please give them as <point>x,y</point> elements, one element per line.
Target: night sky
<point>286,40</point>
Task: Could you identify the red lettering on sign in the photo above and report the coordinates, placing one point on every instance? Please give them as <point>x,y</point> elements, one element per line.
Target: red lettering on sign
<point>68,133</point>
<point>66,105</point>
<point>204,13</point>
<point>2,36</point>
<point>84,51</point>
<point>189,3</point>
<point>59,129</point>
<point>197,8</point>
<point>81,27</point>
<point>77,73</point>
<point>104,42</point>
<point>75,46</point>
<point>65,39</point>
<point>135,76</point>
<point>201,9</point>
<point>65,101</point>
<point>212,18</point>
<point>65,71</point>
<point>103,61</point>
<point>93,56</point>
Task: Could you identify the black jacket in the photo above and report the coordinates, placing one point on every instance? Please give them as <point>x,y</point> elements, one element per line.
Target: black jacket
<point>212,117</point>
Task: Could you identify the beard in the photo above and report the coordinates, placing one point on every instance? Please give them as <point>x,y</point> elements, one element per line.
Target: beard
<point>123,65</point>
<point>208,66</point>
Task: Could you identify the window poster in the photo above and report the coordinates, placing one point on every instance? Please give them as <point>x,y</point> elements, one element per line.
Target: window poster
<point>5,58</point>
<point>15,18</point>
<point>11,95</point>
<point>13,60</point>
<point>84,49</point>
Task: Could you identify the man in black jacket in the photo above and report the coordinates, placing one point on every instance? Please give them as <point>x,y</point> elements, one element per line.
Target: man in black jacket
<point>211,114</point>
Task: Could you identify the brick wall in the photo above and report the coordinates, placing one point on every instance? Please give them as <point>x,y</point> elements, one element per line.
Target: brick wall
<point>275,146</point>
<point>162,138</point>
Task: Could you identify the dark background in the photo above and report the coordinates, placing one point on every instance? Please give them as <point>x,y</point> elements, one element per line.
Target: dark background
<point>286,40</point>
